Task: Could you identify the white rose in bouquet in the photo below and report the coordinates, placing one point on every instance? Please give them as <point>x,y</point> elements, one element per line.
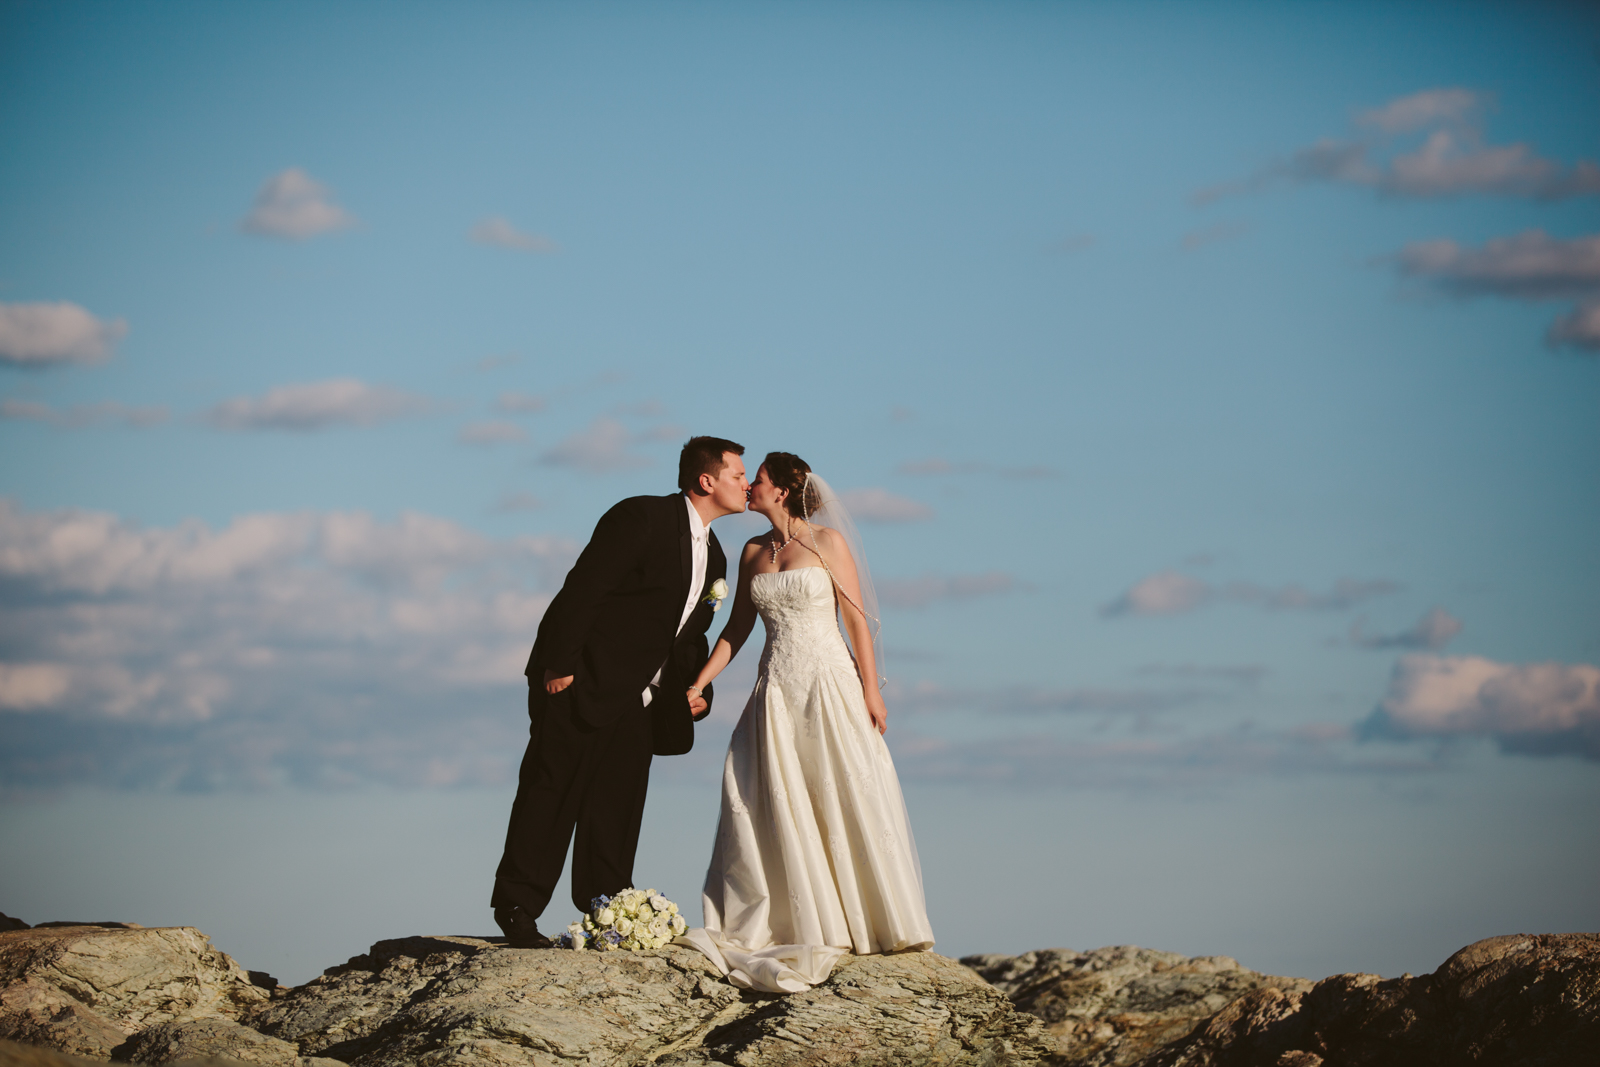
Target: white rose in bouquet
<point>633,919</point>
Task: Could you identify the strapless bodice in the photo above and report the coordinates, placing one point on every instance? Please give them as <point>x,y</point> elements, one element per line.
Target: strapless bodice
<point>801,618</point>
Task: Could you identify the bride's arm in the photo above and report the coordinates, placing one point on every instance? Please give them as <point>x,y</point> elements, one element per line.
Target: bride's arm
<point>843,567</point>
<point>741,620</point>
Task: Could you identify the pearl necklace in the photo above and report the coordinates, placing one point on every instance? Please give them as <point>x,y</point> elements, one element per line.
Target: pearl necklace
<point>776,548</point>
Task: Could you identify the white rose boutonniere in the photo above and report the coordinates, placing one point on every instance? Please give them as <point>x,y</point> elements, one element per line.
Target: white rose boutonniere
<point>719,593</point>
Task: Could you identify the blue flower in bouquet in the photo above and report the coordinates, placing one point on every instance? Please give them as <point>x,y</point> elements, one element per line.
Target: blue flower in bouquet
<point>612,936</point>
<point>599,902</point>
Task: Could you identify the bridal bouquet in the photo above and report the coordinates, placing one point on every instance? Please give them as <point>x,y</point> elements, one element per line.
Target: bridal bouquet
<point>634,919</point>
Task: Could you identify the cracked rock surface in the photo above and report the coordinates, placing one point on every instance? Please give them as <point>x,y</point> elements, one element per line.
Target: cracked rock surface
<point>161,997</point>
<point>86,989</point>
<point>459,1000</point>
<point>165,997</point>
<point>1113,1007</point>
<point>1524,1000</point>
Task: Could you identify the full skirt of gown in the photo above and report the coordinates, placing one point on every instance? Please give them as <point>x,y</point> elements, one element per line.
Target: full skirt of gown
<point>814,856</point>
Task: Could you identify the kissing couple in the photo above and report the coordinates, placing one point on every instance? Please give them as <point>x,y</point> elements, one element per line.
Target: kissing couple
<point>814,856</point>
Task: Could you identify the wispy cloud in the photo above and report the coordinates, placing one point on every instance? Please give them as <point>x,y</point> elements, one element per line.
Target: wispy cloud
<point>82,414</point>
<point>1528,266</point>
<point>1144,761</point>
<point>599,448</point>
<point>1175,593</point>
<point>1452,158</point>
<point>881,506</point>
<point>498,231</point>
<point>1542,709</point>
<point>311,647</point>
<point>293,205</point>
<point>1210,235</point>
<point>1246,674</point>
<point>47,334</point>
<point>1433,631</point>
<point>929,587</point>
<point>1036,700</point>
<point>316,405</point>
<point>1431,107</point>
<point>513,403</point>
<point>490,433</point>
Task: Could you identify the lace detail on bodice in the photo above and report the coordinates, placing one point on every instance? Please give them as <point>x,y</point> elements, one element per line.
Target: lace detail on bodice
<point>802,624</point>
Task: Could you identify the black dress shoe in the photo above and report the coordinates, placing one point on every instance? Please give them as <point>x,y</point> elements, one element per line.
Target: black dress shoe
<point>520,928</point>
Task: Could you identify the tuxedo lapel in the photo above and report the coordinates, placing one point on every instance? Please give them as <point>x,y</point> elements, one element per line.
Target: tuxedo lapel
<point>685,550</point>
<point>716,562</point>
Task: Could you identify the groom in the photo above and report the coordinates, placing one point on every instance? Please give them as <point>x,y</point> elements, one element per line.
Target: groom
<point>607,687</point>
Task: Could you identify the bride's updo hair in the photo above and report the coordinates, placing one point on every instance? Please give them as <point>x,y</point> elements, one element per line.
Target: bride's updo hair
<point>788,471</point>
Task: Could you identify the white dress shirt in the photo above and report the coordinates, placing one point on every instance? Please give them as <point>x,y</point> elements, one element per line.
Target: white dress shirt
<point>700,537</point>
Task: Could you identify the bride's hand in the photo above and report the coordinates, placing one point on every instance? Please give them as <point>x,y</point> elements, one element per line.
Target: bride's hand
<point>878,711</point>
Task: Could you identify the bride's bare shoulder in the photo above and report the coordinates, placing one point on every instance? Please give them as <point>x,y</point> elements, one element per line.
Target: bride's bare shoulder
<point>828,537</point>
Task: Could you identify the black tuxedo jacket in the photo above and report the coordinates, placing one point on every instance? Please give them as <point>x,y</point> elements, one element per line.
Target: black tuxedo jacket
<point>615,620</point>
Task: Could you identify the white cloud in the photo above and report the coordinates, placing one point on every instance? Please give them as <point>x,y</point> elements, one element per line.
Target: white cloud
<point>39,335</point>
<point>314,405</point>
<point>1580,328</point>
<point>1433,631</point>
<point>927,588</point>
<point>880,505</point>
<point>1141,760</point>
<point>312,647</point>
<point>599,448</point>
<point>498,231</point>
<point>26,686</point>
<point>1431,107</point>
<point>82,414</point>
<point>1536,708</point>
<point>520,403</point>
<point>293,205</point>
<point>1162,593</point>
<point>1530,265</point>
<point>1452,158</point>
<point>1174,593</point>
<point>490,433</point>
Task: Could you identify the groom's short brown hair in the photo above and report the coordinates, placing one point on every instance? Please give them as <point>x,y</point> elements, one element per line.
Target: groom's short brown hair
<point>703,455</point>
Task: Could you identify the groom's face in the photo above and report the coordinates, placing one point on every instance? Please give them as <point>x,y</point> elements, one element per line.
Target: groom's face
<point>728,491</point>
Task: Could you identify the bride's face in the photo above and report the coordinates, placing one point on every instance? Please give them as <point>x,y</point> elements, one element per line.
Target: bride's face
<point>765,498</point>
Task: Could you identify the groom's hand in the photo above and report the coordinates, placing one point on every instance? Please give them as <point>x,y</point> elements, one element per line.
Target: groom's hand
<point>554,685</point>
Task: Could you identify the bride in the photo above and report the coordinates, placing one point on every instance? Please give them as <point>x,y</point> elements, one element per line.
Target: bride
<point>814,856</point>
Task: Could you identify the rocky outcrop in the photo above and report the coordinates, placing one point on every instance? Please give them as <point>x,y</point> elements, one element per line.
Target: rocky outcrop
<point>465,1000</point>
<point>87,989</point>
<point>164,996</point>
<point>1529,1000</point>
<point>459,1000</point>
<point>1114,1007</point>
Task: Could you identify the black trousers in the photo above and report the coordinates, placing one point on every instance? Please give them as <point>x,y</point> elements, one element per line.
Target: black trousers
<point>574,775</point>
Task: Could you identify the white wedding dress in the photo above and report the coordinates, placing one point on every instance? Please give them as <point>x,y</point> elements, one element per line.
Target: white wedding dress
<point>814,855</point>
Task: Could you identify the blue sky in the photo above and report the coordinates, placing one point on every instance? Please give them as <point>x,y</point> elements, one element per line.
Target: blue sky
<point>1221,383</point>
